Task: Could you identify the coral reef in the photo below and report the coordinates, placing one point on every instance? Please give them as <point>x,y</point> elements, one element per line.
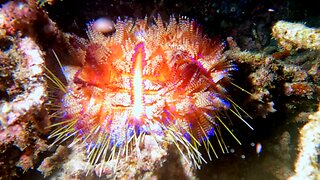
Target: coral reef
<point>272,75</point>
<point>52,162</point>
<point>307,164</point>
<point>298,73</point>
<point>296,36</point>
<point>290,73</point>
<point>23,87</point>
<point>23,114</point>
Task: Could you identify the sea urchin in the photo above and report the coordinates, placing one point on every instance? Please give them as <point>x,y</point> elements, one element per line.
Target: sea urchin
<point>163,79</point>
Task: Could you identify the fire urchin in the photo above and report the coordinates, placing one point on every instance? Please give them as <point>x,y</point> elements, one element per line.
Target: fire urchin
<point>163,79</point>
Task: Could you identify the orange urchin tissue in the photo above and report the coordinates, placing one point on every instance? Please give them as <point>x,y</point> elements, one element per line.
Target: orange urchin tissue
<point>164,80</point>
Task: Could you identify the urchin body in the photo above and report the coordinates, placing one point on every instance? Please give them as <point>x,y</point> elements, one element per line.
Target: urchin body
<point>161,80</point>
